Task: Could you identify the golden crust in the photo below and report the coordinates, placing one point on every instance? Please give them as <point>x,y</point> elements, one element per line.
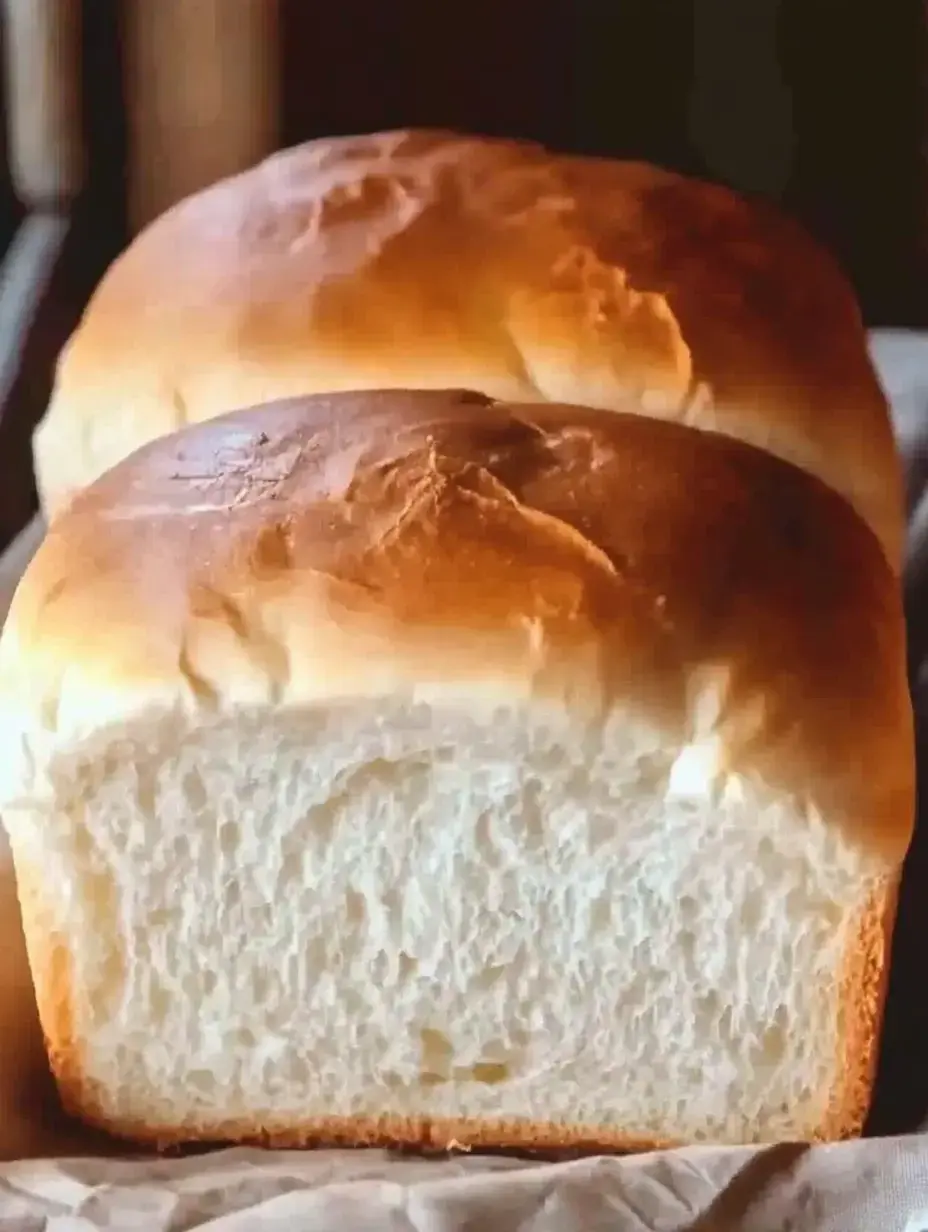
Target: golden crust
<point>862,1002</point>
<point>429,260</point>
<point>605,557</point>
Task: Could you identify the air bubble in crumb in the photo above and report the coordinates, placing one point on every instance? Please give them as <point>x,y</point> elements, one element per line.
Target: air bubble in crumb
<point>228,838</point>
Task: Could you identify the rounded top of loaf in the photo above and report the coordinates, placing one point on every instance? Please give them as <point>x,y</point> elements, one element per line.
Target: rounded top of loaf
<point>443,547</point>
<point>424,259</point>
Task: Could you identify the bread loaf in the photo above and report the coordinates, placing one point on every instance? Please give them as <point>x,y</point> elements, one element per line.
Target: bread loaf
<point>425,259</point>
<point>418,768</point>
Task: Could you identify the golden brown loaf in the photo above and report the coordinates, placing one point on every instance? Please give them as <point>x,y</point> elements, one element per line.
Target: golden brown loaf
<point>416,767</point>
<point>425,259</point>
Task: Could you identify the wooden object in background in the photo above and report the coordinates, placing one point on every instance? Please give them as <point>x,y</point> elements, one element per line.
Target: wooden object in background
<point>201,89</point>
<point>43,112</point>
<point>43,100</point>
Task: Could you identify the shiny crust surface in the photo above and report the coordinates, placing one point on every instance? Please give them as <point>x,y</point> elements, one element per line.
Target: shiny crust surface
<point>604,559</point>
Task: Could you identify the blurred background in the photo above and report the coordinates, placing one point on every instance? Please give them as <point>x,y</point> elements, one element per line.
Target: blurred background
<point>113,109</point>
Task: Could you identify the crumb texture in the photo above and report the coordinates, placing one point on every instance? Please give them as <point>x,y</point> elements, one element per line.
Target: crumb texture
<point>447,922</point>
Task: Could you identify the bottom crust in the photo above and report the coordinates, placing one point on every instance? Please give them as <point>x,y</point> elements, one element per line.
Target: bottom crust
<point>422,1135</point>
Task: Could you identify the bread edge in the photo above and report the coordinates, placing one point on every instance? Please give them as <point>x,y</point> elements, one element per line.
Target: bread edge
<point>863,993</point>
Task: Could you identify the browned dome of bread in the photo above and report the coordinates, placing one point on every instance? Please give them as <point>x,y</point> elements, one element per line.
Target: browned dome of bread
<point>433,513</point>
<point>424,259</point>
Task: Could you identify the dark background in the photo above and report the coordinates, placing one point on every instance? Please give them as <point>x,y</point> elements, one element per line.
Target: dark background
<point>819,104</point>
<point>627,78</point>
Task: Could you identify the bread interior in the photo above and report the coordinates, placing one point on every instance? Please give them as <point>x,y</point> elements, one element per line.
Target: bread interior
<point>445,909</point>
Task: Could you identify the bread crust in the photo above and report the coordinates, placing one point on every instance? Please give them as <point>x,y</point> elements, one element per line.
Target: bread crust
<point>425,259</point>
<point>863,1000</point>
<point>395,521</point>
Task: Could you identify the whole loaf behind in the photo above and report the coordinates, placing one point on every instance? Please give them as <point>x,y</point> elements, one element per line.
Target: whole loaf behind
<point>420,259</point>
